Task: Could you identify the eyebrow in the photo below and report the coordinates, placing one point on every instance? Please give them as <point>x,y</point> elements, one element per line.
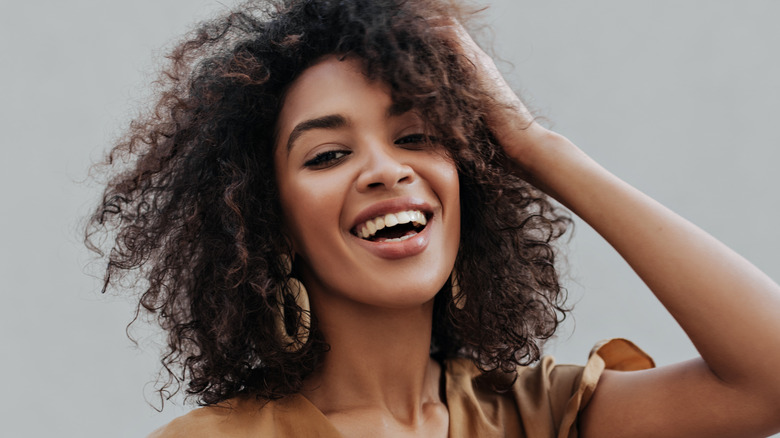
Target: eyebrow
<point>332,121</point>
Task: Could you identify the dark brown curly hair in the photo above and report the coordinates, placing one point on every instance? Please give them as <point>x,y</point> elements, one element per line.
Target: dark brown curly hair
<point>193,216</point>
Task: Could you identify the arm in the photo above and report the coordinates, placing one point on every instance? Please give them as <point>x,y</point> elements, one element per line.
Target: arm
<point>728,308</point>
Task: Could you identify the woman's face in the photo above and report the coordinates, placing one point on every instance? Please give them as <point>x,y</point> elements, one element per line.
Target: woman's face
<point>349,165</point>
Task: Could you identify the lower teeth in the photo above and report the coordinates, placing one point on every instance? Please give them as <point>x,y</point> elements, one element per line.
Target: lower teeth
<point>399,239</point>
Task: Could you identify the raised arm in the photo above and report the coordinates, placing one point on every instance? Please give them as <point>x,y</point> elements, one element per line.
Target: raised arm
<point>728,308</point>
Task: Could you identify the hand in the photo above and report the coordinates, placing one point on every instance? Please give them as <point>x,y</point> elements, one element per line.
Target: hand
<point>508,118</point>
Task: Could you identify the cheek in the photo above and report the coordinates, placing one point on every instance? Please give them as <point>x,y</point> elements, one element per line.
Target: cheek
<point>311,208</point>
<point>454,207</point>
<point>294,209</point>
<point>301,202</point>
<point>445,182</point>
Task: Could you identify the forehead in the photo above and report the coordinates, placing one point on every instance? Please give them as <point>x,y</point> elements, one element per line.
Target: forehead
<point>332,85</point>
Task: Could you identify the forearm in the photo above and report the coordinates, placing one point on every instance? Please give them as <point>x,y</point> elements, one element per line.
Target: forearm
<point>729,309</point>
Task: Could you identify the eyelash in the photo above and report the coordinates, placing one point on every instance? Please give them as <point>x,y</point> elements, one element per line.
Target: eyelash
<point>328,158</point>
<point>415,138</point>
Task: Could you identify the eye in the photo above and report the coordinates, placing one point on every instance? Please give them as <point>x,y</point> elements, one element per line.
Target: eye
<point>325,159</point>
<point>415,140</point>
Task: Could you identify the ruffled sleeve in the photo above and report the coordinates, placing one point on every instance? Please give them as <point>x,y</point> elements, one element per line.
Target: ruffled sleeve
<point>544,400</point>
<point>551,395</point>
<point>615,354</point>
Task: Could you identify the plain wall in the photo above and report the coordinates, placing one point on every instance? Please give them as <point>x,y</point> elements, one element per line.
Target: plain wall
<point>681,99</point>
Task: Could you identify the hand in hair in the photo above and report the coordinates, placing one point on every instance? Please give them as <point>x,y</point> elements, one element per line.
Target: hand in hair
<point>509,120</point>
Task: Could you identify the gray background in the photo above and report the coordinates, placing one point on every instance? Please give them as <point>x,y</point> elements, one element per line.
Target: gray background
<point>679,98</point>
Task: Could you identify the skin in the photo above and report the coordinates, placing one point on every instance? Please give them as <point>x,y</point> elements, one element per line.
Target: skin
<point>374,308</point>
<point>377,313</point>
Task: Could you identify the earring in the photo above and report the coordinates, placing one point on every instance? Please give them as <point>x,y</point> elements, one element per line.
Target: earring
<point>301,296</point>
<point>458,299</point>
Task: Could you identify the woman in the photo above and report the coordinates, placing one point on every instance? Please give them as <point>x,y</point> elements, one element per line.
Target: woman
<point>330,208</point>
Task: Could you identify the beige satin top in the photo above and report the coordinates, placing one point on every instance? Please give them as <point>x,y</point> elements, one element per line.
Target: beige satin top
<point>544,401</point>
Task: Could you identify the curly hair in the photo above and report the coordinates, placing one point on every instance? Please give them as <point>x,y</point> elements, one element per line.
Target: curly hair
<point>195,216</point>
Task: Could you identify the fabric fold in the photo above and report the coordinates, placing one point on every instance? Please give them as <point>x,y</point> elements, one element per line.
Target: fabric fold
<point>543,401</point>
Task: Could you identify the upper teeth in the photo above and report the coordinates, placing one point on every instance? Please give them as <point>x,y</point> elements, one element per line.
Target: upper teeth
<point>371,226</point>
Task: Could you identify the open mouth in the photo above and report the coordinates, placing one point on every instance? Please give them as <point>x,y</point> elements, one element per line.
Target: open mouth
<point>392,227</point>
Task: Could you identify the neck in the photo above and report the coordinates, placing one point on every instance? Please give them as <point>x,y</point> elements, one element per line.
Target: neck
<point>379,362</point>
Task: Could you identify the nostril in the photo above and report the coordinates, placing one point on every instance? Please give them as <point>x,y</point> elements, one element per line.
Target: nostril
<point>382,170</point>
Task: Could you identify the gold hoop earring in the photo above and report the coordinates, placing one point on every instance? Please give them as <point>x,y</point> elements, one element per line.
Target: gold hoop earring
<point>458,299</point>
<point>298,291</point>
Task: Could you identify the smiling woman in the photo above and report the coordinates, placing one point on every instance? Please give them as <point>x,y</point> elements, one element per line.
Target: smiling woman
<point>373,169</point>
<point>331,214</point>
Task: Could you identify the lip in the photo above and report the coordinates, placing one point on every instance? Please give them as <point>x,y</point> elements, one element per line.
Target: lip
<point>395,250</point>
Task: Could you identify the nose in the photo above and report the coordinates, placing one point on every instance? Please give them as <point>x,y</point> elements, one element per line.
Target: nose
<point>383,168</point>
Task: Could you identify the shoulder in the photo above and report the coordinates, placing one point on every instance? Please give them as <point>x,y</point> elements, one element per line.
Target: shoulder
<point>238,417</point>
<point>562,391</point>
<point>221,420</point>
<point>541,400</point>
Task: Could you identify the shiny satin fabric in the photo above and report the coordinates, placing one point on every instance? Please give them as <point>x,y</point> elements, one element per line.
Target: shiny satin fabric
<point>544,401</point>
